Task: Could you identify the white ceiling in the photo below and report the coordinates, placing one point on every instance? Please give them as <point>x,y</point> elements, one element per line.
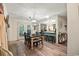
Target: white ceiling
<point>40,10</point>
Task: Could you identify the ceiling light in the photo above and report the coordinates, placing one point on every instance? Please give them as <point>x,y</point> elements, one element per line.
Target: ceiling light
<point>33,20</point>
<point>53,20</point>
<point>47,16</point>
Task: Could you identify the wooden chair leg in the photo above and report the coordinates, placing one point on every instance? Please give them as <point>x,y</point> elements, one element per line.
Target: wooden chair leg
<point>42,43</point>
<point>31,44</point>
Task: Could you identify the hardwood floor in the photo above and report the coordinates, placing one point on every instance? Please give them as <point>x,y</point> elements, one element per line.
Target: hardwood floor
<point>19,49</point>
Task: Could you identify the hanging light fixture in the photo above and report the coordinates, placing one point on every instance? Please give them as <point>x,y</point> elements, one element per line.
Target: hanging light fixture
<point>33,21</point>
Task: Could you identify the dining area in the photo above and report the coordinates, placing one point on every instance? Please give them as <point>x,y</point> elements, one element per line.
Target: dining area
<point>37,38</point>
<point>36,33</point>
<point>33,40</point>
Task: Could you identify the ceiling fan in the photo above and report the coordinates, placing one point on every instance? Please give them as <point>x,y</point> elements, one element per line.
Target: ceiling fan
<point>33,18</point>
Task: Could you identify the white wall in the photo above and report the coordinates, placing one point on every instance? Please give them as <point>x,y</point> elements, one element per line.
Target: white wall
<point>61,22</point>
<point>12,30</point>
<point>73,29</point>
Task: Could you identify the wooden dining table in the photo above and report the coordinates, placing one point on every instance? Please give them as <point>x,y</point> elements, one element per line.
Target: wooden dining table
<point>35,39</point>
